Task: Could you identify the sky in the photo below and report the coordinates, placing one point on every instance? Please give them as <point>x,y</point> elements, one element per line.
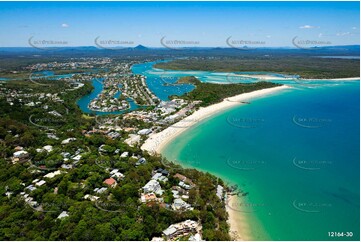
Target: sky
<point>200,24</point>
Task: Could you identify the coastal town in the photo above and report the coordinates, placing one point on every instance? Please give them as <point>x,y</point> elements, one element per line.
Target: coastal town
<point>179,120</point>
<point>117,158</point>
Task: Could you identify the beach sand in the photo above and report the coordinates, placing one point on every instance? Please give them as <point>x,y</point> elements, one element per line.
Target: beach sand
<point>156,142</point>
<point>269,78</point>
<point>239,227</point>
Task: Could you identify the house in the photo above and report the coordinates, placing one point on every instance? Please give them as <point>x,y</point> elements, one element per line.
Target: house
<point>110,182</point>
<point>153,186</point>
<point>67,141</point>
<point>113,135</point>
<point>116,174</point>
<point>140,161</point>
<point>76,158</point>
<point>100,190</point>
<point>150,197</point>
<point>30,188</point>
<point>159,177</point>
<point>163,171</point>
<point>185,186</point>
<point>144,131</point>
<point>53,174</point>
<point>132,140</point>
<point>48,148</point>
<point>18,148</point>
<point>91,197</point>
<point>196,237</point>
<point>40,183</point>
<point>124,154</point>
<point>219,192</point>
<point>184,179</point>
<point>20,156</point>
<point>63,214</point>
<point>67,167</point>
<point>179,204</point>
<point>157,239</point>
<point>184,228</point>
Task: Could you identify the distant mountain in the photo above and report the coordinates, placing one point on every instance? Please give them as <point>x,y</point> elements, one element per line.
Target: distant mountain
<point>140,47</point>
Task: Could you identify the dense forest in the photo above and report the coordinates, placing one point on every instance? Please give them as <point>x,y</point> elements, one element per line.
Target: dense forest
<point>210,93</point>
<point>305,66</point>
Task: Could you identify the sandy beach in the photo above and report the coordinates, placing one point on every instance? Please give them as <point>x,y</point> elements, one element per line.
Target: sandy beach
<point>156,142</point>
<point>263,77</point>
<point>269,78</point>
<point>239,227</point>
<point>335,79</point>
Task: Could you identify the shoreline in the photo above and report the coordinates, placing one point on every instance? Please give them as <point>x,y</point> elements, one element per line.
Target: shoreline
<point>157,142</point>
<point>334,79</point>
<point>270,78</point>
<point>239,227</point>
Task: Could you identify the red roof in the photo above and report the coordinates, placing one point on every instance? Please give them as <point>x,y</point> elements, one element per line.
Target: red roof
<point>110,181</point>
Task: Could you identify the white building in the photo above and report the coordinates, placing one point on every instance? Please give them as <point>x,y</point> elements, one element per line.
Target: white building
<point>53,174</point>
<point>67,141</point>
<point>63,214</point>
<point>153,186</point>
<point>179,204</point>
<point>144,131</point>
<point>182,229</point>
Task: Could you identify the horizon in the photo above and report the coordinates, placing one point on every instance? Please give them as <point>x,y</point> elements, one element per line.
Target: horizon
<point>182,24</point>
<point>162,47</point>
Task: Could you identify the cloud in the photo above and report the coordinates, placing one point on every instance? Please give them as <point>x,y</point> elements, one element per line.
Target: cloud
<point>343,34</point>
<point>65,25</point>
<point>308,27</point>
<point>320,35</point>
<point>268,36</point>
<point>354,28</point>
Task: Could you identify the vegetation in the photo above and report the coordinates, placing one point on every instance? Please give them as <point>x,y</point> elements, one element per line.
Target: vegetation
<point>306,67</point>
<point>210,93</point>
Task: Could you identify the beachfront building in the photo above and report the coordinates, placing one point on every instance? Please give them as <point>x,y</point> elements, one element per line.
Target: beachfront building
<point>132,140</point>
<point>219,192</point>
<point>188,227</point>
<point>144,131</point>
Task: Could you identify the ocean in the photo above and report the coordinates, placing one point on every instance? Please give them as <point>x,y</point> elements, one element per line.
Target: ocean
<point>296,154</point>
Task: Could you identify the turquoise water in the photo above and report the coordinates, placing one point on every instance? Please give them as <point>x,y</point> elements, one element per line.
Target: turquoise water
<point>296,153</point>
